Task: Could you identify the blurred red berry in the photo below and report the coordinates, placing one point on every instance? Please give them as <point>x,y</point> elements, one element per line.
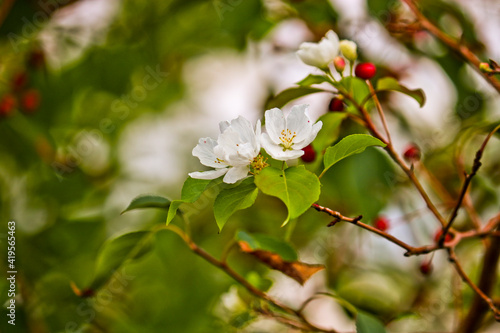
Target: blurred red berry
<point>438,234</point>
<point>30,101</point>
<point>336,104</point>
<point>37,59</point>
<point>7,105</point>
<point>19,81</point>
<point>381,223</point>
<point>365,70</point>
<point>426,268</point>
<point>309,154</point>
<point>412,153</point>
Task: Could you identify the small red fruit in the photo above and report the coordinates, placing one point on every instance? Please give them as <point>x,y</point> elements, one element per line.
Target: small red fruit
<point>365,70</point>
<point>412,153</point>
<point>7,105</point>
<point>30,101</point>
<point>19,81</point>
<point>438,234</point>
<point>336,104</point>
<point>37,59</point>
<point>426,268</point>
<point>381,223</point>
<point>309,154</point>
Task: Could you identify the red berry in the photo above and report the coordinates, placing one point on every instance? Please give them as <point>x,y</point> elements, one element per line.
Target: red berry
<point>30,101</point>
<point>37,59</point>
<point>438,234</point>
<point>426,268</point>
<point>19,80</point>
<point>7,105</point>
<point>309,154</point>
<point>412,153</point>
<point>336,104</point>
<point>381,223</point>
<point>365,70</point>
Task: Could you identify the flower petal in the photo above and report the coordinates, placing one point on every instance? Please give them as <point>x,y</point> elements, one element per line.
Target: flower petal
<point>223,125</point>
<point>312,135</point>
<point>276,151</point>
<point>235,173</point>
<point>212,174</point>
<point>204,150</point>
<point>299,123</point>
<point>275,123</point>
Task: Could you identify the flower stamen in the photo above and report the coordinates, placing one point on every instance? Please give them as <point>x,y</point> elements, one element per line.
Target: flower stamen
<point>286,139</point>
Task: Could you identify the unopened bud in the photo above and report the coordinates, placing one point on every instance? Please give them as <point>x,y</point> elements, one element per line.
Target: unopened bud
<point>349,50</point>
<point>339,64</point>
<point>485,67</point>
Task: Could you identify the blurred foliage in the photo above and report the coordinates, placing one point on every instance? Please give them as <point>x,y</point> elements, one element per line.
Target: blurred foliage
<point>77,273</point>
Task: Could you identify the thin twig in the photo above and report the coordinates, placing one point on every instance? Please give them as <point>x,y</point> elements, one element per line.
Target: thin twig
<point>452,43</point>
<point>380,111</point>
<point>468,178</point>
<point>241,280</point>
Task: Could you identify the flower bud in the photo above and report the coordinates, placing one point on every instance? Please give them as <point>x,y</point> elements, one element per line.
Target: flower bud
<point>485,67</point>
<point>322,53</point>
<point>349,50</point>
<point>339,64</point>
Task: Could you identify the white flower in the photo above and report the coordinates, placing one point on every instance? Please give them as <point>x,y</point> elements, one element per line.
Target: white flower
<point>286,137</point>
<point>322,53</point>
<point>349,49</point>
<point>233,152</point>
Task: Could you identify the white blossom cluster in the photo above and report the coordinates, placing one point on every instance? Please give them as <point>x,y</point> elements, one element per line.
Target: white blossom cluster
<point>237,149</point>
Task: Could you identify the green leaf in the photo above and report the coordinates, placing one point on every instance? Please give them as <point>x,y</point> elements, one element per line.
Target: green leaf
<point>193,188</point>
<point>148,201</point>
<point>295,186</point>
<point>391,84</point>
<point>348,146</point>
<point>231,200</point>
<point>313,79</point>
<point>118,250</point>
<point>268,243</point>
<point>330,130</point>
<point>366,323</point>
<point>191,191</point>
<point>290,94</point>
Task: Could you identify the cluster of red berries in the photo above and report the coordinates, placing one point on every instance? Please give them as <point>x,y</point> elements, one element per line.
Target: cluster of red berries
<point>25,98</point>
<point>20,95</point>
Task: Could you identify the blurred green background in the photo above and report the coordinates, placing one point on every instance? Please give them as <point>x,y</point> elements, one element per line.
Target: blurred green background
<point>104,100</point>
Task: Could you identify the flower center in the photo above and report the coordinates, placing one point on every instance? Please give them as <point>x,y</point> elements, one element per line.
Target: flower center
<point>219,161</point>
<point>258,163</point>
<point>286,139</point>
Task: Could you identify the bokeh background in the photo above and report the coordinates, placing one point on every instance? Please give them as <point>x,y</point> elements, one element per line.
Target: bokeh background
<point>102,100</point>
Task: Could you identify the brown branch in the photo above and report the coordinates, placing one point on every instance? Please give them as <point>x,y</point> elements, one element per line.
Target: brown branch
<point>410,250</point>
<point>395,156</point>
<point>380,111</point>
<point>452,43</point>
<point>305,324</point>
<point>481,301</point>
